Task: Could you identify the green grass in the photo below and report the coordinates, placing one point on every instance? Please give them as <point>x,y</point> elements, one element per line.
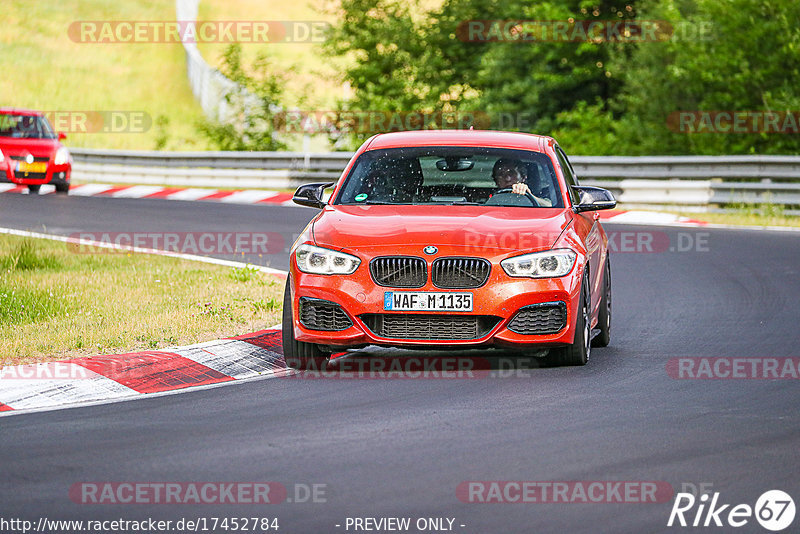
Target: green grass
<point>56,302</point>
<point>44,69</point>
<point>25,305</point>
<point>243,274</point>
<point>25,256</point>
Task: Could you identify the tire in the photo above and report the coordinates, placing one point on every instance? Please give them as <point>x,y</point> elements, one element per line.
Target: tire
<point>62,188</point>
<point>604,314</point>
<point>578,353</point>
<point>34,189</point>
<point>298,355</point>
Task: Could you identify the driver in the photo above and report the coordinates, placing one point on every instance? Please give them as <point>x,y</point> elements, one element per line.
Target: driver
<point>511,174</point>
<point>26,126</point>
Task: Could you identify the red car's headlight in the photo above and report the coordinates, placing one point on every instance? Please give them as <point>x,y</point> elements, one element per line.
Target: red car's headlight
<point>317,260</point>
<point>547,264</point>
<point>62,156</point>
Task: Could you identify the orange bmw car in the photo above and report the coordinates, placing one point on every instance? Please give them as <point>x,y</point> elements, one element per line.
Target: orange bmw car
<point>451,239</point>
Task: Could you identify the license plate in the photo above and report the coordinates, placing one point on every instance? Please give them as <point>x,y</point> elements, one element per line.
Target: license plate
<point>36,166</point>
<point>426,301</point>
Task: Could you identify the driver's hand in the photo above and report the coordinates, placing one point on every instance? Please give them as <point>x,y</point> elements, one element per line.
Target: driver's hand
<point>521,189</point>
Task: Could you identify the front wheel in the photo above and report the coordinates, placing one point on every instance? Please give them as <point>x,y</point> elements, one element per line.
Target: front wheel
<point>62,188</point>
<point>603,338</point>
<point>34,189</point>
<point>578,352</point>
<point>298,354</point>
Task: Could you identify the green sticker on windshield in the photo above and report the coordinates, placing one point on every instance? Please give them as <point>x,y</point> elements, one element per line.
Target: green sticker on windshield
<point>361,196</point>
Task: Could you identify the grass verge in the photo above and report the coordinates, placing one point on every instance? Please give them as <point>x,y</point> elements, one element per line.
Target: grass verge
<point>49,71</point>
<point>56,304</point>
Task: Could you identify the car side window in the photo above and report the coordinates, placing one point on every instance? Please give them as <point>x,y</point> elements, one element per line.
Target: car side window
<point>569,175</point>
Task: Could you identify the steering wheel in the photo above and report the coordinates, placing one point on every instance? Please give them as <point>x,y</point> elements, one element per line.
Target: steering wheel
<point>528,195</point>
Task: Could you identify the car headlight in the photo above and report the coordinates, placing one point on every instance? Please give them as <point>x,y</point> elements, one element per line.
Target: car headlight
<point>316,260</point>
<point>547,264</point>
<point>62,156</point>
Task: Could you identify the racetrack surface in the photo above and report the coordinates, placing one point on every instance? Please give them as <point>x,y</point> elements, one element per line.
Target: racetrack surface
<point>401,447</point>
<point>64,215</point>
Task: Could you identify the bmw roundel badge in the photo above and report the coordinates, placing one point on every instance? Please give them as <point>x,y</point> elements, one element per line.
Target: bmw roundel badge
<point>430,249</point>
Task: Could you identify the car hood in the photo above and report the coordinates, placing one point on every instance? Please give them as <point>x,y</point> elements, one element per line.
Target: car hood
<point>488,228</point>
<point>13,146</point>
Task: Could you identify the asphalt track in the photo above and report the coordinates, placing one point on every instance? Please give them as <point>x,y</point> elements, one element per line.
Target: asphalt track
<point>401,447</point>
<point>67,216</point>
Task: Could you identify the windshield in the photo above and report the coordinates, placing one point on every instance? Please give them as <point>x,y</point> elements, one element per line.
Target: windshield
<point>25,127</point>
<point>452,175</point>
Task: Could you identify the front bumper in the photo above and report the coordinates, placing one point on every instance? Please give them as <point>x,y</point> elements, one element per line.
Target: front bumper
<point>501,297</point>
<point>55,174</point>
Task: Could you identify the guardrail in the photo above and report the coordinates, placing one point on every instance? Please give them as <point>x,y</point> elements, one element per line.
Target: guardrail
<point>208,84</point>
<point>699,183</point>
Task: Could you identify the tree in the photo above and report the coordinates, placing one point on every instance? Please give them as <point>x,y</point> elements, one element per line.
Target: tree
<point>727,55</point>
<point>609,97</point>
<point>251,123</point>
<point>407,59</point>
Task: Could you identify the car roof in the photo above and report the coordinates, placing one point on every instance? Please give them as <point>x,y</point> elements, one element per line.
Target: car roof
<point>20,111</point>
<point>482,138</point>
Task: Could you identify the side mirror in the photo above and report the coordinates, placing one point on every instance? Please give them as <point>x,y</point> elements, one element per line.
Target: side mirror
<point>594,198</point>
<point>61,136</point>
<point>311,195</point>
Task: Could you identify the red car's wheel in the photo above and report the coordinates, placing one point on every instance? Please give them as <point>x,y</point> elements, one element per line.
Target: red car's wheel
<point>578,352</point>
<point>298,355</point>
<point>603,338</point>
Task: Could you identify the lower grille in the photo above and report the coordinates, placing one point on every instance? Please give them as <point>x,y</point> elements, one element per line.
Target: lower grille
<point>317,314</point>
<point>429,327</point>
<point>539,319</point>
<point>30,175</point>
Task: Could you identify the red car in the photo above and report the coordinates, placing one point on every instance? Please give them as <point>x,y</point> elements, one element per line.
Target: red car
<point>451,239</point>
<point>31,153</point>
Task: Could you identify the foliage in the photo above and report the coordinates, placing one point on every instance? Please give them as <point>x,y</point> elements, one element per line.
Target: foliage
<point>607,97</point>
<point>250,125</point>
<point>734,55</point>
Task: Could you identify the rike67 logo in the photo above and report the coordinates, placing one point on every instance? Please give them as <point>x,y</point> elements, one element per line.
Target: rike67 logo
<point>774,510</point>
